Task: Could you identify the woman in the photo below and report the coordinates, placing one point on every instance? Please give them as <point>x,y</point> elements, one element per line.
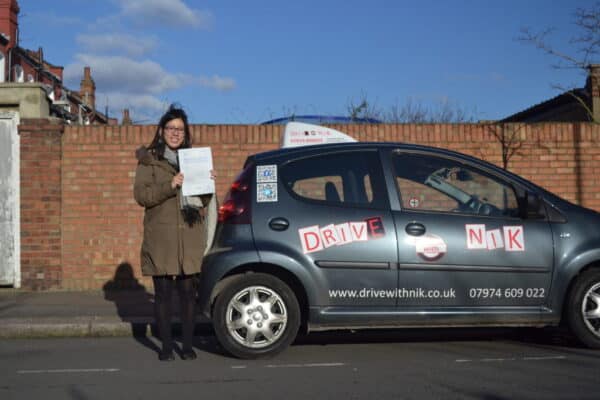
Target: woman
<point>177,229</point>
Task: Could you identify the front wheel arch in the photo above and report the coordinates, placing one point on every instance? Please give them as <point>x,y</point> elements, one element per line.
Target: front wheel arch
<point>563,310</point>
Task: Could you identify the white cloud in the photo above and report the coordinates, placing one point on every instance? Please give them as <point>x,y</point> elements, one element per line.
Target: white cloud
<point>165,12</point>
<point>217,82</point>
<point>112,43</point>
<point>136,85</point>
<point>118,73</point>
<point>123,74</point>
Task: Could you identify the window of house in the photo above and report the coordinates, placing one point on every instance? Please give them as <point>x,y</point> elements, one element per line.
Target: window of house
<point>2,67</point>
<point>347,178</point>
<point>18,74</point>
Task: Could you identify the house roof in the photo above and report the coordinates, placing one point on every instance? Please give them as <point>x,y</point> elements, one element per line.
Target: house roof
<point>566,107</point>
<point>59,110</point>
<point>33,59</point>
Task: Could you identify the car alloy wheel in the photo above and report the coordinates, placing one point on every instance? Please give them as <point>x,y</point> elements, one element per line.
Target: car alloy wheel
<point>583,308</point>
<point>256,317</point>
<point>590,309</point>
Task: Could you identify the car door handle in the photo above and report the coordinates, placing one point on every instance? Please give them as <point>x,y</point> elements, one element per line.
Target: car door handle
<point>415,229</point>
<point>279,224</point>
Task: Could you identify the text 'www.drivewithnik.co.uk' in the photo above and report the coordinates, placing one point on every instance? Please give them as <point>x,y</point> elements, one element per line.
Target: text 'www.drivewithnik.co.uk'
<point>396,293</point>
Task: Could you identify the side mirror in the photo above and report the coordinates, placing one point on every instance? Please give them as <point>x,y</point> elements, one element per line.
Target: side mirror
<point>533,206</point>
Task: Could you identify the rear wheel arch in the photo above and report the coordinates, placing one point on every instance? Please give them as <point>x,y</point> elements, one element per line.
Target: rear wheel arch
<point>256,315</point>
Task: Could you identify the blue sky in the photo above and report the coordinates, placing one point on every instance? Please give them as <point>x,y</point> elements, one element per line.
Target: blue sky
<point>245,62</point>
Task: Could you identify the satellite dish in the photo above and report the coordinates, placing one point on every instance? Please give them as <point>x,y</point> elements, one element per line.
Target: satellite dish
<point>298,134</point>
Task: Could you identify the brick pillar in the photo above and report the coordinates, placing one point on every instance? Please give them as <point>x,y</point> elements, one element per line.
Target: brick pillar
<point>41,203</point>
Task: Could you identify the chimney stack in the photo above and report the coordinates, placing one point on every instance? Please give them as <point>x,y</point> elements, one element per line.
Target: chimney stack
<point>126,118</point>
<point>9,21</point>
<point>87,89</point>
<point>593,87</point>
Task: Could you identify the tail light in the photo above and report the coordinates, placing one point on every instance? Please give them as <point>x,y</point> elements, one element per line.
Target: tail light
<point>237,204</point>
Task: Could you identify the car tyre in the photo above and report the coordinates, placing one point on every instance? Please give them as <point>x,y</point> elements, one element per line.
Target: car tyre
<point>256,315</point>
<point>583,309</point>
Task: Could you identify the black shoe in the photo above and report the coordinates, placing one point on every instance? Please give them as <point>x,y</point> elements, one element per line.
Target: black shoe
<point>166,356</point>
<point>188,355</point>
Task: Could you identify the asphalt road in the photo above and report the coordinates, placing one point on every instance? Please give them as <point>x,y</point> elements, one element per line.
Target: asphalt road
<point>418,364</point>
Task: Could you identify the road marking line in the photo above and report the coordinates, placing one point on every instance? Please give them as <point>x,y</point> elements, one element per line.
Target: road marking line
<point>309,365</point>
<point>545,358</point>
<point>539,358</point>
<point>325,365</point>
<point>66,371</point>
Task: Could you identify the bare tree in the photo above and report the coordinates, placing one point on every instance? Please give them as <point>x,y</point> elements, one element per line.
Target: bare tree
<point>508,135</point>
<point>411,111</point>
<point>444,111</point>
<point>585,51</point>
<point>363,109</point>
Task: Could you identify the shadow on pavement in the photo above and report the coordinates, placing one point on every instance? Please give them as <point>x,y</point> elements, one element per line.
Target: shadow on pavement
<point>133,302</point>
<point>135,305</point>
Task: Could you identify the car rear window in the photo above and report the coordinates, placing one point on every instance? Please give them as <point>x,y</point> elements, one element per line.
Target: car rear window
<point>343,178</point>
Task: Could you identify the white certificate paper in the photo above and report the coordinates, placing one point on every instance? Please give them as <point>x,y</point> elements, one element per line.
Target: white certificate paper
<point>195,165</point>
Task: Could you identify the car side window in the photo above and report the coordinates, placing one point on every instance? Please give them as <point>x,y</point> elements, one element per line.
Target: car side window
<point>346,178</point>
<point>326,188</point>
<point>431,183</point>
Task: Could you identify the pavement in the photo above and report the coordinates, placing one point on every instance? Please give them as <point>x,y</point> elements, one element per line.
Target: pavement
<point>119,312</point>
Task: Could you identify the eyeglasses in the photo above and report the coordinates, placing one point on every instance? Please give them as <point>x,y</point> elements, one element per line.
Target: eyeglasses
<point>173,129</point>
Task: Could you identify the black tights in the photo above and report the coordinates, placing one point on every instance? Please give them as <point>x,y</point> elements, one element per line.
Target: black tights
<point>163,288</point>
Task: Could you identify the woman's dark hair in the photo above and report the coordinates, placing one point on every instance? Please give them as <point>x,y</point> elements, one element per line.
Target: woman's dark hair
<point>158,143</point>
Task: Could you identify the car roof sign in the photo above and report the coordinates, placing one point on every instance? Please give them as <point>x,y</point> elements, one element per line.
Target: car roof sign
<point>298,134</point>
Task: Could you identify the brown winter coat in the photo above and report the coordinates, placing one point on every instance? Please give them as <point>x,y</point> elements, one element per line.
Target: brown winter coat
<point>170,245</point>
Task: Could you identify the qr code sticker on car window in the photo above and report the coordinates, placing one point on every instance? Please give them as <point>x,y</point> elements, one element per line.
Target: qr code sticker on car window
<point>266,173</point>
<point>266,192</point>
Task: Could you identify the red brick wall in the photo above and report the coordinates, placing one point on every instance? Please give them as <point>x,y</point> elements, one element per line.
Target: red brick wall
<point>41,202</point>
<point>101,221</point>
<point>100,224</point>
